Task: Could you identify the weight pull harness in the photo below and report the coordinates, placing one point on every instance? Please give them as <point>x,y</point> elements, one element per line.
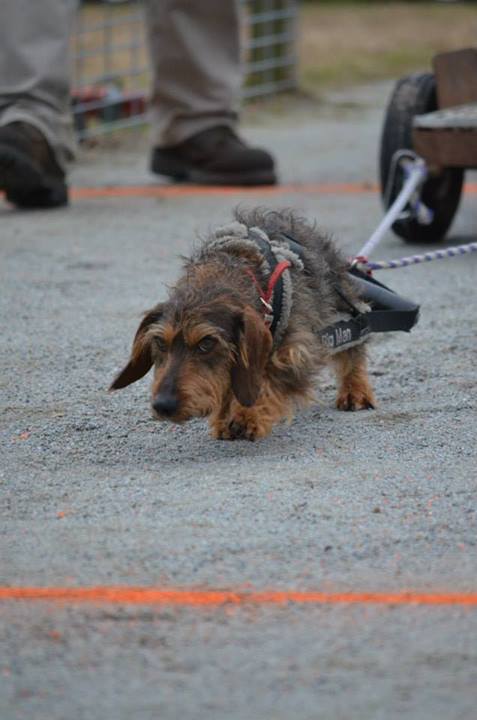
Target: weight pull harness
<point>389,312</point>
<point>381,309</point>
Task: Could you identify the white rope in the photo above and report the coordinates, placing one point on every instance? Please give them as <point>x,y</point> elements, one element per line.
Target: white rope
<point>417,173</point>
<point>416,259</point>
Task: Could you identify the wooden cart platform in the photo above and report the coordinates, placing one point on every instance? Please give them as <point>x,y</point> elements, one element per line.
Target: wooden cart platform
<point>448,137</point>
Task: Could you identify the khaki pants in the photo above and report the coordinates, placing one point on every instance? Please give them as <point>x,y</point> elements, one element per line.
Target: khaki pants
<point>195,58</point>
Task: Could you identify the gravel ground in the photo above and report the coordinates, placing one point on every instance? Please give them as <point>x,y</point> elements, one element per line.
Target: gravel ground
<point>94,492</point>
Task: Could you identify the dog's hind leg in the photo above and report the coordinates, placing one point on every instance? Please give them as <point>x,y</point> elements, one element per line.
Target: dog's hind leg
<point>354,388</point>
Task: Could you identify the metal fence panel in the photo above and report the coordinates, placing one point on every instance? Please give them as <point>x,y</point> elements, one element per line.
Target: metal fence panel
<point>111,74</point>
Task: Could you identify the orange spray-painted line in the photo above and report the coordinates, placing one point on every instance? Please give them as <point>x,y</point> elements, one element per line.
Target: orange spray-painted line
<point>197,597</point>
<point>177,191</point>
<point>174,191</point>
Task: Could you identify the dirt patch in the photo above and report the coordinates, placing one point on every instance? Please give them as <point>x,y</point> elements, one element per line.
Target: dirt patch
<point>347,43</point>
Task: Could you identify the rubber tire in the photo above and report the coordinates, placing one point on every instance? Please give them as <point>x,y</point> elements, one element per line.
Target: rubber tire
<point>415,95</point>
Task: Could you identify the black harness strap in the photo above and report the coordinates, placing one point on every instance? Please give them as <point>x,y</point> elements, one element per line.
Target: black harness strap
<point>269,256</point>
<point>345,333</point>
<point>389,311</point>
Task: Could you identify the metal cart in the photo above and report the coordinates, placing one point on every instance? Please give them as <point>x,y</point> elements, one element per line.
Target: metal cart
<point>433,116</point>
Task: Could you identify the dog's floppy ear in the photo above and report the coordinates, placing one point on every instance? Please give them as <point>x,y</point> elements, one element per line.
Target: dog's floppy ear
<point>254,345</point>
<point>140,361</point>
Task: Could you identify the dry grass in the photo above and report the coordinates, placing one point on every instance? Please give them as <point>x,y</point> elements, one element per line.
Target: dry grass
<point>339,44</point>
<point>342,44</point>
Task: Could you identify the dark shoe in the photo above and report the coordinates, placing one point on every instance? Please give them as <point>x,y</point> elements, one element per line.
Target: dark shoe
<point>215,157</point>
<point>29,173</point>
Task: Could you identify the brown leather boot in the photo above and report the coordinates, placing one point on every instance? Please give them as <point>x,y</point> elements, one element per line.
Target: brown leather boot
<point>216,156</point>
<point>29,173</point>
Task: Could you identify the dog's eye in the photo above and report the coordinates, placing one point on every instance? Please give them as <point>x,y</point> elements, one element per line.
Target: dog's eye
<point>207,344</point>
<point>160,344</point>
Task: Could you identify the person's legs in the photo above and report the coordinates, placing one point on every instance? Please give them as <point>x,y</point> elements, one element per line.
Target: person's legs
<point>197,75</point>
<point>195,58</point>
<point>36,137</point>
<point>195,53</point>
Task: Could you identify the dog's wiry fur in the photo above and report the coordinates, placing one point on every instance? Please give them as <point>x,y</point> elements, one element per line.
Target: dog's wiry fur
<point>213,354</point>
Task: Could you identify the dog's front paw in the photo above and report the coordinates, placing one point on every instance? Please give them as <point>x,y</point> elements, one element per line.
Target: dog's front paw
<point>356,398</point>
<point>239,431</point>
<point>243,425</point>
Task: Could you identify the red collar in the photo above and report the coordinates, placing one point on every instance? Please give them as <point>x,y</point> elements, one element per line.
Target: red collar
<point>266,295</point>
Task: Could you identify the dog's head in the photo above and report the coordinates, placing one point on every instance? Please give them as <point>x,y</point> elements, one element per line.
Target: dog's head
<point>200,355</point>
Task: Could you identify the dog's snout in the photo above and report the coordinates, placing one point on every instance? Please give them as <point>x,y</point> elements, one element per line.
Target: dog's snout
<point>165,404</point>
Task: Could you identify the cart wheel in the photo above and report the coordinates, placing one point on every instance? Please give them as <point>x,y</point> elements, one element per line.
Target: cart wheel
<point>416,95</point>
